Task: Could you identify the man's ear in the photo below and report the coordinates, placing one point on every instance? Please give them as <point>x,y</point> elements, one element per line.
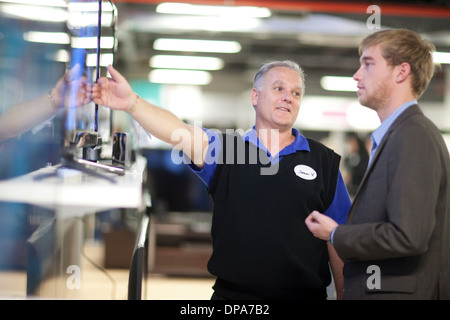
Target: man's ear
<point>255,95</point>
<point>403,71</point>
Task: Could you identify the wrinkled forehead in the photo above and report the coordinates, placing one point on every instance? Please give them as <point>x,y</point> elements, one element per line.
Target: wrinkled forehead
<point>283,76</point>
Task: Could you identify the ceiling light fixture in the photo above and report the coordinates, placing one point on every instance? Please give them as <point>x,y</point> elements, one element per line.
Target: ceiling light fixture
<point>105,59</point>
<point>37,13</point>
<point>205,10</point>
<point>85,14</point>
<point>441,57</point>
<point>50,3</point>
<point>91,6</point>
<point>91,42</point>
<point>334,83</point>
<point>186,62</point>
<point>60,56</point>
<point>191,45</point>
<point>180,77</point>
<point>47,37</point>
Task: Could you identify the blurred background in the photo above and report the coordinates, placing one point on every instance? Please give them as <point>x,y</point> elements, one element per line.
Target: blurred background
<point>197,59</point>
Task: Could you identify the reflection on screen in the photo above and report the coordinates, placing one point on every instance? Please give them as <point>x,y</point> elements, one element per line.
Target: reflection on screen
<point>39,43</point>
<point>91,26</point>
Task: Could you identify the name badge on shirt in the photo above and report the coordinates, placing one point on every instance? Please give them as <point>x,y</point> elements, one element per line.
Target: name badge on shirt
<point>305,172</point>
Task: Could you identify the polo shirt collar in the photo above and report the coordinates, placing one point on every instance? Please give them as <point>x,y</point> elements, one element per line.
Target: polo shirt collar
<point>300,143</point>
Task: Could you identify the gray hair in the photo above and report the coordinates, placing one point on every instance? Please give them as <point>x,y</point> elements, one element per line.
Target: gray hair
<point>259,77</point>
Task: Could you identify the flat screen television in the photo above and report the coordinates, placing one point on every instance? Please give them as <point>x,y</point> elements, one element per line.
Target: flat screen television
<point>174,187</point>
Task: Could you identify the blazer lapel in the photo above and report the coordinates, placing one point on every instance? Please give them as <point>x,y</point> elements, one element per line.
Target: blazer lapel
<point>414,109</point>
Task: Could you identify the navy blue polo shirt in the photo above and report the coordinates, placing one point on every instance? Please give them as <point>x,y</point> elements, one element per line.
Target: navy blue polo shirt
<point>341,203</point>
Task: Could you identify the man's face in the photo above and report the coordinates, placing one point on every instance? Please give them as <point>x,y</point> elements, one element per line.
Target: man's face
<point>278,102</point>
<point>374,78</point>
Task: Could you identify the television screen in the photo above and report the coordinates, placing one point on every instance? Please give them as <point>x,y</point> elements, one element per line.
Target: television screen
<point>174,187</point>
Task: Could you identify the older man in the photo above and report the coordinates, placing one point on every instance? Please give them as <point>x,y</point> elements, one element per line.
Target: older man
<point>263,183</point>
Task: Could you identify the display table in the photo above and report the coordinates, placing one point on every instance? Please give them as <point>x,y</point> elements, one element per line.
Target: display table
<point>54,250</point>
<point>74,193</point>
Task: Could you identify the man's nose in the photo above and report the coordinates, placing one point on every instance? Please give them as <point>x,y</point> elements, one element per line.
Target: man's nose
<point>357,75</point>
<point>288,96</point>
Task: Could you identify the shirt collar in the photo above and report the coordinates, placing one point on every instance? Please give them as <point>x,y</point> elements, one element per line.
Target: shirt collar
<point>379,133</point>
<point>300,143</point>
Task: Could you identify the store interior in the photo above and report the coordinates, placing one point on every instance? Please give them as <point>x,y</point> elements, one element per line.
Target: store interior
<point>41,40</point>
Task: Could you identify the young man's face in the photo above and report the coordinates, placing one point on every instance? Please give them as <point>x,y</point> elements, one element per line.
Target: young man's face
<point>375,79</point>
<point>278,102</point>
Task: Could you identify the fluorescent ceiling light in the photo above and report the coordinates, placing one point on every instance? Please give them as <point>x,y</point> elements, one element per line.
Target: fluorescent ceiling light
<point>91,42</point>
<point>186,62</point>
<point>180,77</point>
<point>105,59</point>
<point>61,56</point>
<point>64,38</point>
<point>85,14</point>
<point>50,3</point>
<point>219,24</point>
<point>332,83</point>
<point>47,37</point>
<point>88,19</point>
<point>441,57</point>
<point>204,10</point>
<point>37,13</point>
<point>196,45</point>
<point>90,6</point>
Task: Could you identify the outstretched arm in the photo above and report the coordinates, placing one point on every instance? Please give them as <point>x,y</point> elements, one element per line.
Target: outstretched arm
<point>116,93</point>
<point>26,115</point>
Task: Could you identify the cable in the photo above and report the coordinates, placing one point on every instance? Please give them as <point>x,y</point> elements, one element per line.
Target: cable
<point>113,26</point>
<point>83,253</point>
<point>99,36</point>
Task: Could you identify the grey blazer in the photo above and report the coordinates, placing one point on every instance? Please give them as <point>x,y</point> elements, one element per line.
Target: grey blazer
<point>396,243</point>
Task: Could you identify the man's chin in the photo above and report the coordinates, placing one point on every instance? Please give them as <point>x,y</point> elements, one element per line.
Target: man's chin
<point>364,102</point>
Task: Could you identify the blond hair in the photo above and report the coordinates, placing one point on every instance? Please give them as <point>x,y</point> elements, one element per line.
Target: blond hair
<point>403,45</point>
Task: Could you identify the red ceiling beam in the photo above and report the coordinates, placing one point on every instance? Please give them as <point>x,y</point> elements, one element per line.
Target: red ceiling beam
<point>342,7</point>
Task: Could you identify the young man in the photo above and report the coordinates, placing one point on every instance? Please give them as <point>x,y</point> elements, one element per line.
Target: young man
<point>396,243</point>
<point>263,184</point>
